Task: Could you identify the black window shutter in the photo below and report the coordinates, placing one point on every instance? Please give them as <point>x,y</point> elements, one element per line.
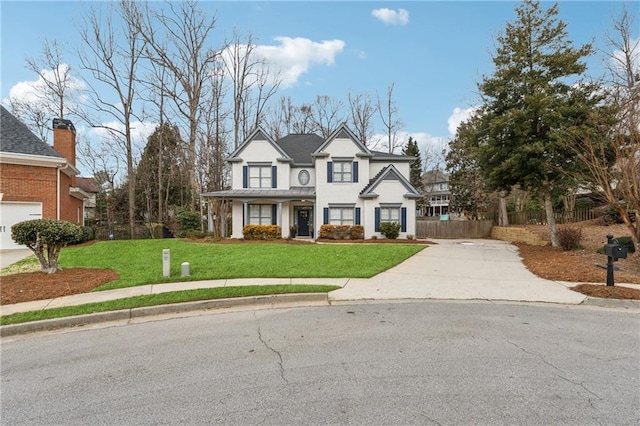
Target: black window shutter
<point>329,171</point>
<point>355,171</point>
<point>245,176</point>
<point>325,215</point>
<point>377,214</point>
<point>274,176</point>
<point>357,215</point>
<point>274,214</point>
<point>403,219</point>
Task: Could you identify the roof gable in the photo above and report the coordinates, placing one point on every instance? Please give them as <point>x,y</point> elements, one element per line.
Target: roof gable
<point>18,139</point>
<point>257,134</point>
<point>389,173</point>
<point>343,132</point>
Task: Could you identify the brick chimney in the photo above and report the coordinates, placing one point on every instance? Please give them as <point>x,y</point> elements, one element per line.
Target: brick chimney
<point>64,139</point>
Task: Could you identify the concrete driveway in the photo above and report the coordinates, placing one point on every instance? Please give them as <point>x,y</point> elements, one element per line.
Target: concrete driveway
<point>9,257</point>
<point>461,269</point>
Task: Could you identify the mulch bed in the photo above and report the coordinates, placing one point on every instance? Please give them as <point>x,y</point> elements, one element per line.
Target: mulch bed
<point>28,286</point>
<point>609,292</point>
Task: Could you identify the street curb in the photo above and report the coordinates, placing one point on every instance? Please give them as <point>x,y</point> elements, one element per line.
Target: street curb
<point>176,308</point>
<point>611,303</point>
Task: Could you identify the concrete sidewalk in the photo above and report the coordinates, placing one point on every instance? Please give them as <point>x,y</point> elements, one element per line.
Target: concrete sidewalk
<point>450,269</point>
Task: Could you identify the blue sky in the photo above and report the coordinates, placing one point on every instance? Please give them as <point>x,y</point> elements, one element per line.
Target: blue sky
<point>434,52</point>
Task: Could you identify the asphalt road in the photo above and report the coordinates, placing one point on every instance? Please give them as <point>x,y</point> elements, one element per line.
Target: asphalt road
<point>422,362</point>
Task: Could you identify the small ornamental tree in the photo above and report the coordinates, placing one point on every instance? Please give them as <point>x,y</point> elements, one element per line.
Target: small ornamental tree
<point>45,237</point>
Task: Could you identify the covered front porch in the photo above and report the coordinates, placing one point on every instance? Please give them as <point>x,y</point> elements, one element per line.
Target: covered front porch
<point>285,208</point>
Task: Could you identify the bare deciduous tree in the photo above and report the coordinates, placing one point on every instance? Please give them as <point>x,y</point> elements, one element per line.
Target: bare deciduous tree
<point>56,81</point>
<point>112,57</point>
<point>389,114</point>
<point>180,41</point>
<point>610,154</point>
<point>362,109</point>
<point>327,114</point>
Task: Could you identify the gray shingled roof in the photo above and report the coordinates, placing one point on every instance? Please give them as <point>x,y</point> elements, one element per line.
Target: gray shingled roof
<point>294,193</point>
<point>300,146</point>
<point>15,137</point>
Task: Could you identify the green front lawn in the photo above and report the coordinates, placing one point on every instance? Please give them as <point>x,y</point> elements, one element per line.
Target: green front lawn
<point>139,262</point>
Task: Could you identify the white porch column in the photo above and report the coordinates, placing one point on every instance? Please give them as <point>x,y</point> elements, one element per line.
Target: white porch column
<point>209,216</point>
<point>279,220</point>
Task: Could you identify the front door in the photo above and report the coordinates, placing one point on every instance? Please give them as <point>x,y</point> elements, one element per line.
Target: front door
<point>303,222</point>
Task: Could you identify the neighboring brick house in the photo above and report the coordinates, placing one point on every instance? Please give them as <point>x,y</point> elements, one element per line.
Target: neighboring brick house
<point>307,181</point>
<point>37,180</point>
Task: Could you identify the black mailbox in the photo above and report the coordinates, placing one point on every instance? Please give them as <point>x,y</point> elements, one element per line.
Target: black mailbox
<point>614,250</point>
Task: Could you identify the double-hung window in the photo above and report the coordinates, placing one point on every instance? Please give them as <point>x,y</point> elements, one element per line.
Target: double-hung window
<point>342,171</point>
<point>341,216</point>
<point>260,214</point>
<point>390,214</point>
<point>259,176</point>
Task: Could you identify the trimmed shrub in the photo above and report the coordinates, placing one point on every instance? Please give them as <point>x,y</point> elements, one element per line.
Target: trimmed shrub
<point>390,230</point>
<point>46,237</point>
<point>569,237</point>
<point>190,220</point>
<point>261,232</point>
<point>356,232</point>
<point>341,232</point>
<point>87,233</point>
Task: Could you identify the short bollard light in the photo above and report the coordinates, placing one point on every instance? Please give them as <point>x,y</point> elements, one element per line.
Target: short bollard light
<point>614,251</point>
<point>166,262</point>
<point>185,269</point>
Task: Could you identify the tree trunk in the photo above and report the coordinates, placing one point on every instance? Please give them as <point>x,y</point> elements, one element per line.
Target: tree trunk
<point>551,220</point>
<point>503,217</point>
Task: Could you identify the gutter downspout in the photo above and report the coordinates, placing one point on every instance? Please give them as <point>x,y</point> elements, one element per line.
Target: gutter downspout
<point>58,192</point>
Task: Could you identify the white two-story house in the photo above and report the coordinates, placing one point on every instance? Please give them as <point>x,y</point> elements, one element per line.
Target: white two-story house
<point>307,181</point>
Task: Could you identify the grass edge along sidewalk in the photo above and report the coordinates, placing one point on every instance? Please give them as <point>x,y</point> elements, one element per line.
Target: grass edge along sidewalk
<point>172,297</point>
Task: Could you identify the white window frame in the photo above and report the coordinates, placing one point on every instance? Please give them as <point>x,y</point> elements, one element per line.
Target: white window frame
<point>260,214</point>
<point>340,216</point>
<point>259,177</point>
<point>340,172</point>
<point>390,214</point>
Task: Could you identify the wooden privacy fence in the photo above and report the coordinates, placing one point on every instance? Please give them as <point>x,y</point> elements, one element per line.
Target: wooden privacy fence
<point>540,217</point>
<point>453,229</point>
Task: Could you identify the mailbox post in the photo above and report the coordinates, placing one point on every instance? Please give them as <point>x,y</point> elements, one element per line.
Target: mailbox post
<point>614,251</point>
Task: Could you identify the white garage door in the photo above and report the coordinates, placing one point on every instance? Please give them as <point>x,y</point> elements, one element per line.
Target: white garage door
<point>12,213</point>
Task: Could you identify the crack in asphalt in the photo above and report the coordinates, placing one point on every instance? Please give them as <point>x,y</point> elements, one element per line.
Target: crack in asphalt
<point>279,355</point>
<point>558,371</point>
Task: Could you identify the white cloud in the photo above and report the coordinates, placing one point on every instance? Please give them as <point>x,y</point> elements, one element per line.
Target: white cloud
<point>31,90</point>
<point>458,116</point>
<point>391,17</point>
<point>293,57</point>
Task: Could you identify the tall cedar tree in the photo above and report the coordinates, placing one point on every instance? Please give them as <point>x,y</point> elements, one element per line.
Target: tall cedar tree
<point>466,182</point>
<point>162,166</point>
<point>533,98</point>
<point>412,150</point>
